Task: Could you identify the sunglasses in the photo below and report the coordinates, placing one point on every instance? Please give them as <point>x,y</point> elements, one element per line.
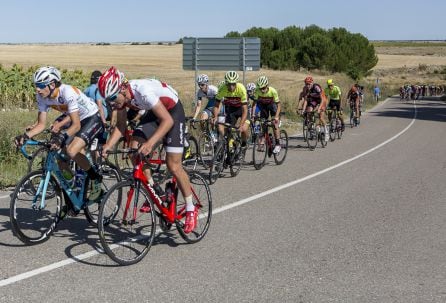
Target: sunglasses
<point>202,84</point>
<point>40,85</point>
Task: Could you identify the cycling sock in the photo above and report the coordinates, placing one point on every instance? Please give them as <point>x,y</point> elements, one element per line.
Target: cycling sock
<point>189,203</point>
<point>151,182</point>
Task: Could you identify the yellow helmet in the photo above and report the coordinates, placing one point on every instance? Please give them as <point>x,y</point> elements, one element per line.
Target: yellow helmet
<point>330,82</point>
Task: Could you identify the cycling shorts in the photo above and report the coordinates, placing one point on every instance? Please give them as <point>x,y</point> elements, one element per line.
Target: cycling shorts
<point>335,104</point>
<point>267,110</point>
<point>91,128</point>
<point>174,139</point>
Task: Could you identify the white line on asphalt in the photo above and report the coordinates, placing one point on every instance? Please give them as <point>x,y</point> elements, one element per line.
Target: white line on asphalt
<point>5,196</point>
<point>86,255</point>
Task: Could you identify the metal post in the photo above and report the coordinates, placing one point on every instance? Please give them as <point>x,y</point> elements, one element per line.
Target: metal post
<point>243,59</point>
<point>196,70</point>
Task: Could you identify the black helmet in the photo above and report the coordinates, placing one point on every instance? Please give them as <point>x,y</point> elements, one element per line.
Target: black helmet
<point>95,77</point>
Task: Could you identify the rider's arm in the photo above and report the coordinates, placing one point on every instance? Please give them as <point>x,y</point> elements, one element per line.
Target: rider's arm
<point>39,126</point>
<point>75,123</point>
<point>216,109</point>
<point>101,110</point>
<point>119,130</point>
<point>244,113</point>
<point>197,108</point>
<point>57,125</point>
<point>277,117</point>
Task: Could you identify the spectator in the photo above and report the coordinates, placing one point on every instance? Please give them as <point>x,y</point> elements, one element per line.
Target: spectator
<point>376,93</point>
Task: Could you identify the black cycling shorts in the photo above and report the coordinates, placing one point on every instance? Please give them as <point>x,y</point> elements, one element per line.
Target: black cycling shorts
<point>267,110</point>
<point>174,139</point>
<point>91,128</point>
<point>335,104</point>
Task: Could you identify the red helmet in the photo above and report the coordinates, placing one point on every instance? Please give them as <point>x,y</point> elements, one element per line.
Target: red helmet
<point>109,84</point>
<point>308,80</point>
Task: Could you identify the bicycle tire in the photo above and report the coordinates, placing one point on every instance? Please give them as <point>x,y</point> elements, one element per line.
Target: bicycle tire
<point>121,160</point>
<point>38,229</point>
<point>339,130</point>
<point>217,163</point>
<point>110,176</point>
<point>279,158</point>
<point>332,129</point>
<point>259,152</point>
<point>206,147</point>
<point>191,154</point>
<point>312,136</point>
<point>122,242</point>
<point>321,137</point>
<point>236,158</point>
<point>305,130</point>
<point>202,199</point>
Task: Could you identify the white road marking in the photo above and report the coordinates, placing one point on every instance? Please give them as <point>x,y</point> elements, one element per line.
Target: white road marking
<point>89,254</point>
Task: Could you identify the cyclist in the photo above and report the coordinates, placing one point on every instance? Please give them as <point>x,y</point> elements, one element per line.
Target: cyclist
<point>233,96</point>
<point>93,92</point>
<point>267,98</point>
<point>353,99</point>
<point>314,98</point>
<point>333,93</point>
<point>164,119</point>
<point>206,91</point>
<point>253,107</point>
<point>80,110</point>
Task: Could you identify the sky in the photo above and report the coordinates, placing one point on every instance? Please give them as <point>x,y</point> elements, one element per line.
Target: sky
<point>31,21</point>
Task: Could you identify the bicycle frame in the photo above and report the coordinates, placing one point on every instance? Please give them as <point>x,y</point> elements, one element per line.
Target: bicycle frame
<point>51,167</point>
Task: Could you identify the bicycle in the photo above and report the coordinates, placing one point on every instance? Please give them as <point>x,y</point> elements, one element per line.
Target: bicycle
<point>228,153</point>
<point>264,144</point>
<point>207,142</point>
<point>36,203</point>
<point>314,133</point>
<point>335,125</point>
<point>126,233</point>
<point>191,152</point>
<point>354,120</point>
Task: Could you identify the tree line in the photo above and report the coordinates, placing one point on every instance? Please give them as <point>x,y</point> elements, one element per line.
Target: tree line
<point>312,47</point>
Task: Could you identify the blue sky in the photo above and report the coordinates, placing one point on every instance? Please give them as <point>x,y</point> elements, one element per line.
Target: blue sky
<point>30,21</point>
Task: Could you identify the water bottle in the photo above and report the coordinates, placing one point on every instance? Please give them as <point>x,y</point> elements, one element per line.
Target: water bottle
<point>68,176</point>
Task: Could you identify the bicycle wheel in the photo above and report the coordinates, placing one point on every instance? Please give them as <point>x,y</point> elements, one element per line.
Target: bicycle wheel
<point>312,136</point>
<point>125,232</point>
<point>332,129</point>
<point>339,130</point>
<point>31,223</point>
<point>201,195</point>
<point>191,153</point>
<point>38,159</point>
<point>206,149</point>
<point>110,176</point>
<point>217,163</point>
<point>122,161</point>
<point>321,137</point>
<point>305,130</point>
<point>259,151</point>
<point>281,155</point>
<point>236,158</point>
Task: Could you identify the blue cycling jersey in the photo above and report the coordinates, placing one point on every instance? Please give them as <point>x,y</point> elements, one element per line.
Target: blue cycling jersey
<point>92,91</point>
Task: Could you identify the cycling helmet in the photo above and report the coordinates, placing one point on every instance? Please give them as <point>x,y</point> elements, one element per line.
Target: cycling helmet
<point>231,77</point>
<point>330,82</point>
<point>47,74</point>
<point>221,83</point>
<point>251,87</point>
<point>262,82</point>
<point>95,76</point>
<point>308,80</point>
<point>202,79</point>
<point>109,83</point>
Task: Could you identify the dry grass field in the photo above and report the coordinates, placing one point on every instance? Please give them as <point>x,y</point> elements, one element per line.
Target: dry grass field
<point>165,62</point>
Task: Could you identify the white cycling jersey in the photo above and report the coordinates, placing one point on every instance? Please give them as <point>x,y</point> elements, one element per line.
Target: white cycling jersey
<point>211,93</point>
<point>148,92</point>
<point>70,99</point>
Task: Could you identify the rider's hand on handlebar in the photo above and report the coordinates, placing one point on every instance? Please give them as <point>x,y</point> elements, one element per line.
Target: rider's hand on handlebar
<point>57,141</point>
<point>20,140</point>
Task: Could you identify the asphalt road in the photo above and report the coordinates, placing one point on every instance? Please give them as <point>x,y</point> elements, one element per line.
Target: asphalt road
<point>362,220</point>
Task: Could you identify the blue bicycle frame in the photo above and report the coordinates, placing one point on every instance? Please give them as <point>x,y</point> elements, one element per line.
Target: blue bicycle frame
<point>51,167</point>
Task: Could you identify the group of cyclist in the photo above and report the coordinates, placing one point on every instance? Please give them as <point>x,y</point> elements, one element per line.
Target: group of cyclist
<point>414,92</point>
<point>161,118</point>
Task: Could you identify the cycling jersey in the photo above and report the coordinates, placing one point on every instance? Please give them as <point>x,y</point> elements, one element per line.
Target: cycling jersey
<point>210,95</point>
<point>237,98</point>
<point>147,93</point>
<point>92,92</point>
<point>334,93</point>
<point>266,98</point>
<point>68,100</point>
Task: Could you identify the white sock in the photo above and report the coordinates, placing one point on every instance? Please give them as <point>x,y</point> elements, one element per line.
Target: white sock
<point>151,182</point>
<point>189,204</point>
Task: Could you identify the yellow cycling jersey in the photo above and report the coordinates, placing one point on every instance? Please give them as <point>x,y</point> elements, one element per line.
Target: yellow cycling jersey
<point>334,93</point>
<point>269,97</point>
<point>236,98</point>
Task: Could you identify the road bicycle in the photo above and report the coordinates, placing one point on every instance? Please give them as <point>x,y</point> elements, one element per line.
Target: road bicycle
<point>127,232</point>
<point>264,144</point>
<point>207,142</point>
<point>335,125</point>
<point>37,201</point>
<point>315,132</point>
<point>354,120</point>
<point>228,153</point>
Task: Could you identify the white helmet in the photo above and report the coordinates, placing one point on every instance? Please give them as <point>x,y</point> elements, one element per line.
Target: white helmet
<point>202,79</point>
<point>46,75</point>
<point>251,87</point>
